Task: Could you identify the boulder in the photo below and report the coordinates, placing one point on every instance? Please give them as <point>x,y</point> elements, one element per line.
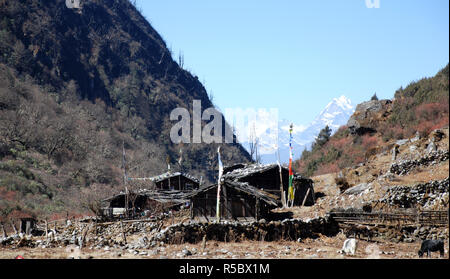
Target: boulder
<point>355,190</point>
<point>365,116</point>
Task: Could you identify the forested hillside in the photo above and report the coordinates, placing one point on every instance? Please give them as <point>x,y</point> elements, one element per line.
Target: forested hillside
<point>76,85</point>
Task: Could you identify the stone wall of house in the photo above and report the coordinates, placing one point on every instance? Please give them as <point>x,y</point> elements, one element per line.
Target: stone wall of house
<point>289,229</point>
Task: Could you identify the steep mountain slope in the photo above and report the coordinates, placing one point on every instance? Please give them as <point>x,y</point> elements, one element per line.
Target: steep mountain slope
<point>377,124</point>
<point>76,84</point>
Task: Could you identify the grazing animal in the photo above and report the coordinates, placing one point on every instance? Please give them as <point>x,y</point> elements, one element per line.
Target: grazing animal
<point>429,245</point>
<point>51,235</point>
<point>349,246</point>
<point>356,231</point>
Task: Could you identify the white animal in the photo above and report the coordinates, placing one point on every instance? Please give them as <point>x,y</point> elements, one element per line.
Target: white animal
<point>51,235</point>
<point>349,246</point>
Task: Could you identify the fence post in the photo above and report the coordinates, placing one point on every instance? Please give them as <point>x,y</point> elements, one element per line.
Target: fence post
<point>27,227</point>
<point>4,234</point>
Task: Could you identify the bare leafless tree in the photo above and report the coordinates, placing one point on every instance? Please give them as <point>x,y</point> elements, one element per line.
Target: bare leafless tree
<point>253,142</point>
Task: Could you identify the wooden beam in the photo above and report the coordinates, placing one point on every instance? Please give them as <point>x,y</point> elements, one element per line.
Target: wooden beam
<point>257,209</point>
<point>306,196</point>
<point>123,232</point>
<point>28,227</point>
<point>13,226</point>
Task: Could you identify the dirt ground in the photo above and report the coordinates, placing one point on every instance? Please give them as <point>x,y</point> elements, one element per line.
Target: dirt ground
<point>322,248</point>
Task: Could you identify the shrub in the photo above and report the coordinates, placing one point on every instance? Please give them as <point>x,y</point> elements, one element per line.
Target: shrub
<point>342,183</point>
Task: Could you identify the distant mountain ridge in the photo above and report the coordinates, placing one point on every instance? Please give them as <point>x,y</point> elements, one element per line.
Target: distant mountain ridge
<point>335,114</point>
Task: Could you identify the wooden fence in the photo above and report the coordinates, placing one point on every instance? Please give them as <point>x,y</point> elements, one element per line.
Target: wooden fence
<point>433,218</point>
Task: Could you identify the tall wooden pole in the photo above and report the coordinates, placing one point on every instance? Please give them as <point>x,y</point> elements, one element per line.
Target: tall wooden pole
<point>125,178</point>
<point>218,185</point>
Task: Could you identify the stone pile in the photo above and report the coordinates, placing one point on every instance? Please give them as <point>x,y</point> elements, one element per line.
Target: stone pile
<point>289,229</point>
<point>412,233</point>
<point>425,194</point>
<point>88,235</point>
<point>406,166</point>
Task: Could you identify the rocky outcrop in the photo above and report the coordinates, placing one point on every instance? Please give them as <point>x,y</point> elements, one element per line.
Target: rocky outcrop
<point>367,115</point>
<point>425,195</point>
<point>406,166</point>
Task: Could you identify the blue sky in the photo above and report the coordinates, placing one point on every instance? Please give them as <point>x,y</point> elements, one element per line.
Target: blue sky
<point>296,55</point>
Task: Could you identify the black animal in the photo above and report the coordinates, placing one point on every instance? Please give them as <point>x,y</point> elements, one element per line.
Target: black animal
<point>431,246</point>
<point>359,231</point>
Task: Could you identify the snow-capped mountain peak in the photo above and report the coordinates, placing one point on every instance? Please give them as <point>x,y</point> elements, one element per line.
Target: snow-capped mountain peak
<point>343,102</point>
<point>335,114</point>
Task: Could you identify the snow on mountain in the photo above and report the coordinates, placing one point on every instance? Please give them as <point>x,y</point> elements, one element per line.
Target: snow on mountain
<point>335,114</point>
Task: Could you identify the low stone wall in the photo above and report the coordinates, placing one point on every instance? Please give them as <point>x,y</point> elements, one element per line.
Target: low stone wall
<point>424,194</point>
<point>406,166</point>
<point>395,233</point>
<point>290,229</point>
<point>411,233</point>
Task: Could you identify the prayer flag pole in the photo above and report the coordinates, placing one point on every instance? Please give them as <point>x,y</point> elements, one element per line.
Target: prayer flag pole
<point>218,185</point>
<point>291,173</point>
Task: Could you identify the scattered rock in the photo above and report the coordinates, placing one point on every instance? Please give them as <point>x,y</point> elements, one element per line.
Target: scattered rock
<point>186,252</point>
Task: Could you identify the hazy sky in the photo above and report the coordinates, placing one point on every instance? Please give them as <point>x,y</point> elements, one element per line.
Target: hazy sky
<point>297,55</point>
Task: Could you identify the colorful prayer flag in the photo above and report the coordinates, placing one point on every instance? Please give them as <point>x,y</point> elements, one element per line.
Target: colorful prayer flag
<point>291,173</point>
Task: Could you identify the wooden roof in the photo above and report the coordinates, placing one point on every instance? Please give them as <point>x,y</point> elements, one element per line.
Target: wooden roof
<point>167,175</point>
<point>163,196</point>
<point>240,171</point>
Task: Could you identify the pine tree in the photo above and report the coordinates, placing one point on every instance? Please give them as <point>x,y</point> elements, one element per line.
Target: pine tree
<point>324,136</point>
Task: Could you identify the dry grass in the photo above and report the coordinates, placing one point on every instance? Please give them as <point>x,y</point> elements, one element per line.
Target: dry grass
<point>321,248</point>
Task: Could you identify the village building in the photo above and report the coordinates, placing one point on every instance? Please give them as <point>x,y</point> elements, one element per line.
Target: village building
<point>144,202</point>
<point>267,178</point>
<point>169,192</point>
<point>238,201</point>
<point>175,181</point>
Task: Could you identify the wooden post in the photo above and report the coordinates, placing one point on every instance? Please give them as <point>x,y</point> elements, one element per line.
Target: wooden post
<point>13,226</point>
<point>204,243</point>
<point>83,236</point>
<point>28,228</point>
<point>257,209</point>
<point>20,227</point>
<point>306,196</point>
<point>123,232</point>
<point>46,229</point>
<point>5,235</point>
